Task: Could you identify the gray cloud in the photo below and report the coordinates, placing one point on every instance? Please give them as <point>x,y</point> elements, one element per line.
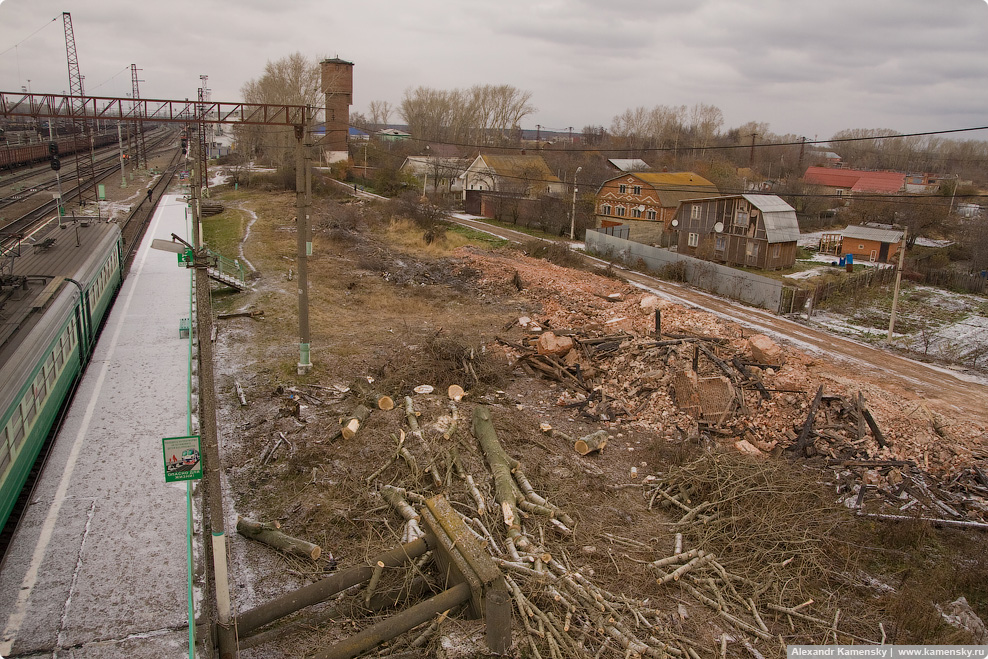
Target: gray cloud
<point>803,67</point>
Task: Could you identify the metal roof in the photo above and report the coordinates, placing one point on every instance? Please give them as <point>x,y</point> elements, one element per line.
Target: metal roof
<point>872,233</point>
<point>629,164</point>
<point>779,218</point>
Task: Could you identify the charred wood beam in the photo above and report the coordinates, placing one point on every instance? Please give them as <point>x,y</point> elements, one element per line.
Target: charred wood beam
<point>803,440</point>
<point>738,364</point>
<point>872,424</point>
<point>697,337</point>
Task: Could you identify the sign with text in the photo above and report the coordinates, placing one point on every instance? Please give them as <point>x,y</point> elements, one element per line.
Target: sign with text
<point>182,458</point>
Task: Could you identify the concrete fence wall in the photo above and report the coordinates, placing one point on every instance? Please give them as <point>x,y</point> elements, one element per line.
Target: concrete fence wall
<point>740,285</point>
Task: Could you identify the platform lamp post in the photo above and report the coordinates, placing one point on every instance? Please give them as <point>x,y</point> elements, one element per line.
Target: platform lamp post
<point>572,213</point>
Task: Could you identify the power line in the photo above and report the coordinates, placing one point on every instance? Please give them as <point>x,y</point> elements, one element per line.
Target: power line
<point>29,36</point>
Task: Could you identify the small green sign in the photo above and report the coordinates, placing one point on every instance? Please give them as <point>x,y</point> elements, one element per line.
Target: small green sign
<point>186,257</point>
<point>101,192</point>
<point>183,461</point>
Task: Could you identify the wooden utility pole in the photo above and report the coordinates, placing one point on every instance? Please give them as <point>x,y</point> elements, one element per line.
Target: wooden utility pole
<point>303,243</point>
<point>898,278</point>
<point>751,152</point>
<point>225,632</point>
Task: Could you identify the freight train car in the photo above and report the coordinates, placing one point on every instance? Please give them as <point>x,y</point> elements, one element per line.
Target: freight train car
<point>55,293</point>
<point>16,155</point>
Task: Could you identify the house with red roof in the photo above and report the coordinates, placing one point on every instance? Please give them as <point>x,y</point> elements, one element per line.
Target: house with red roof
<point>847,182</point>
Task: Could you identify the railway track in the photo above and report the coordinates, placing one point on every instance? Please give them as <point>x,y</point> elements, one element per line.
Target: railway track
<point>31,219</point>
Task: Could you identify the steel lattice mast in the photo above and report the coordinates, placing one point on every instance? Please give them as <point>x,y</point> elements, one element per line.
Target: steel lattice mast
<point>84,173</point>
<point>202,157</point>
<point>140,148</point>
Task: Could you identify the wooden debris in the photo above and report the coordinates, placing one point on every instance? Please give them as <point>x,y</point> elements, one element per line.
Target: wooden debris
<point>352,424</point>
<point>256,313</point>
<point>592,443</point>
<point>269,534</point>
<point>241,395</point>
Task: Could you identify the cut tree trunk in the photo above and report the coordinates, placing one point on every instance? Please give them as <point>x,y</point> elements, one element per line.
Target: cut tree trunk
<point>506,492</point>
<point>269,534</point>
<point>366,394</point>
<point>591,443</point>
<point>350,425</point>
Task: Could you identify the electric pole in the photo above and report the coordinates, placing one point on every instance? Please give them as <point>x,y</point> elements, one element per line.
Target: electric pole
<point>141,149</point>
<point>303,243</point>
<point>898,279</point>
<point>84,173</point>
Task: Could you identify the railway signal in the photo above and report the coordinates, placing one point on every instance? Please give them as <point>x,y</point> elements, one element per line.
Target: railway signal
<point>56,164</point>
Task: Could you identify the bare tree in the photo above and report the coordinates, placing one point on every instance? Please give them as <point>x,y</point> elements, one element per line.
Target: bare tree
<point>380,113</point>
<point>483,114</point>
<point>291,80</point>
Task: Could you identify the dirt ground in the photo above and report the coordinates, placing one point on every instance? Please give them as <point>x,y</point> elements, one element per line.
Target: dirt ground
<point>693,453</point>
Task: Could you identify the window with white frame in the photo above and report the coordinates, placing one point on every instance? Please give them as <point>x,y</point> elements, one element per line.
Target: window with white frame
<point>620,211</point>
<point>776,250</point>
<point>637,189</point>
<point>605,209</point>
<point>622,188</point>
<point>695,211</point>
<point>693,239</point>
<point>650,214</point>
<point>720,244</point>
<point>636,213</point>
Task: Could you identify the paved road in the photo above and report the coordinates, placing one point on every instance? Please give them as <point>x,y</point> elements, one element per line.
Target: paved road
<point>958,390</point>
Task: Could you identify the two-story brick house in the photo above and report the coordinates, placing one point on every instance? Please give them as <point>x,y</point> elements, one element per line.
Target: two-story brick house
<point>646,202</point>
<point>752,230</point>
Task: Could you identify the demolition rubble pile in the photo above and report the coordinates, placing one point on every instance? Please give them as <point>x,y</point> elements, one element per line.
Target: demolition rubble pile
<point>630,359</point>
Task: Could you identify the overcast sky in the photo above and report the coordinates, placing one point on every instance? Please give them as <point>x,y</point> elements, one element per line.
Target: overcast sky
<point>805,67</point>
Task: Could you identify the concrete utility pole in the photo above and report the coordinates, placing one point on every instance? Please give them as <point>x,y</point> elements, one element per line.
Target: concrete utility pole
<point>123,170</point>
<point>304,245</point>
<point>212,482</point>
<point>898,278</point>
<point>572,212</point>
<point>751,152</point>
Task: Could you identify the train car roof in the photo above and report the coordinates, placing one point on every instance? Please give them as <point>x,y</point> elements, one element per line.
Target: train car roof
<point>35,275</point>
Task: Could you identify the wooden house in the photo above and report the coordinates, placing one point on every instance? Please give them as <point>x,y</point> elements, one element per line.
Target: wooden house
<point>874,244</point>
<point>750,230</point>
<point>646,202</point>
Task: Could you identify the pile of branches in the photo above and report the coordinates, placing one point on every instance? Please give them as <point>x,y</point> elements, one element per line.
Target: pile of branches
<point>773,522</point>
<point>759,542</point>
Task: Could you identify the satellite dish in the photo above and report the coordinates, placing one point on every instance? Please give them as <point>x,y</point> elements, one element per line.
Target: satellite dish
<point>674,223</point>
<point>642,207</point>
<point>718,227</point>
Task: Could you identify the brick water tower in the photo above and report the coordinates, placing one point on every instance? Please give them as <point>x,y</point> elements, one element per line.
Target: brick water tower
<point>337,84</point>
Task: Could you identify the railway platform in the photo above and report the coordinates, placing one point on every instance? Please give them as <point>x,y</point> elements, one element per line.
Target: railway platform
<point>98,565</point>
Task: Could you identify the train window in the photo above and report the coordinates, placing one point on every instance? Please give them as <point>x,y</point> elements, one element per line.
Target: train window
<point>16,427</point>
<point>4,459</point>
<point>30,411</point>
<point>60,358</point>
<point>40,389</point>
<point>50,371</point>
